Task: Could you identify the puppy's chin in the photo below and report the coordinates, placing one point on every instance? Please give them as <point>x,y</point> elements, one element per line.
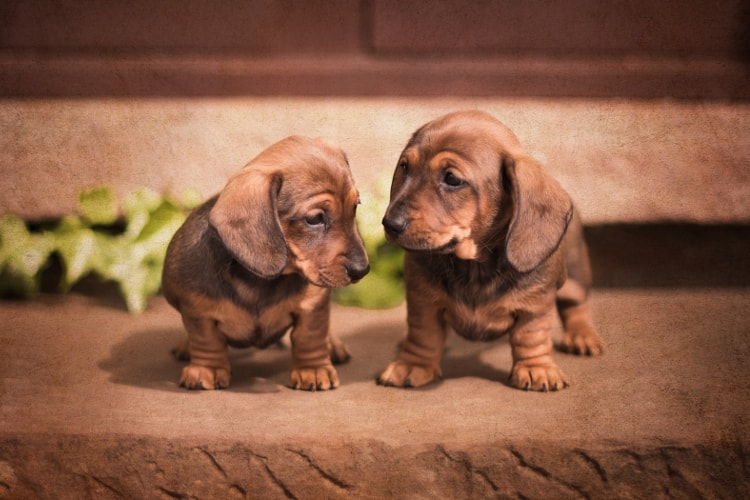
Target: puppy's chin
<point>324,281</point>
<point>319,277</point>
<point>459,245</point>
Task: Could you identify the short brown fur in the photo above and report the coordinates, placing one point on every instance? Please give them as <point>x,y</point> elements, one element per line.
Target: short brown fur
<point>259,260</point>
<point>494,247</point>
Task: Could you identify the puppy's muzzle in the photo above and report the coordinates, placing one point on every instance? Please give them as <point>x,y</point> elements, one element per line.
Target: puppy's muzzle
<point>395,224</point>
<point>357,265</point>
<point>357,271</point>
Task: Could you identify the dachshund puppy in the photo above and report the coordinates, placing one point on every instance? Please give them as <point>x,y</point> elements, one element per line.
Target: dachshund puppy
<point>493,245</point>
<point>259,260</point>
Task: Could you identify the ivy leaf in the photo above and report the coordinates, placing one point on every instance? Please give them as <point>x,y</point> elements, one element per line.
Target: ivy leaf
<point>375,291</point>
<point>22,256</point>
<point>369,216</point>
<point>139,258</point>
<point>155,235</point>
<point>137,208</point>
<point>190,199</point>
<point>98,206</point>
<point>75,245</point>
<point>142,282</point>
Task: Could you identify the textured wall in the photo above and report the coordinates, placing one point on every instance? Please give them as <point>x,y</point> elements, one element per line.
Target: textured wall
<point>626,161</point>
<point>633,48</point>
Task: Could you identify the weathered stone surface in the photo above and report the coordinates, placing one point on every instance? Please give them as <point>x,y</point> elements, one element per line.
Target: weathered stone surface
<point>90,407</point>
<point>129,467</point>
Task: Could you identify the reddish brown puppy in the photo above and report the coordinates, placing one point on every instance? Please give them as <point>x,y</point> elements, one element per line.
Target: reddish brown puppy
<point>494,247</point>
<point>259,260</point>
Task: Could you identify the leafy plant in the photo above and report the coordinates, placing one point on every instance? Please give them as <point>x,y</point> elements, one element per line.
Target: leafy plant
<point>124,244</point>
<point>23,255</point>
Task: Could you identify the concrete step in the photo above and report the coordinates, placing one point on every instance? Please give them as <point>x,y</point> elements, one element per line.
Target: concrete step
<point>624,161</point>
<point>90,407</point>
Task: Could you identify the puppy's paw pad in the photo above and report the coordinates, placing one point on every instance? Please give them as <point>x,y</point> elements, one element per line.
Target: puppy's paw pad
<point>542,377</point>
<point>400,374</point>
<point>203,377</point>
<point>315,379</point>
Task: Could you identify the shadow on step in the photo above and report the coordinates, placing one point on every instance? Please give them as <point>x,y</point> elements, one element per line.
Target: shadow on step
<point>669,255</point>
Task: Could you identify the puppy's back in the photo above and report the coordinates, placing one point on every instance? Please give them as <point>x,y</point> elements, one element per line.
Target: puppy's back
<point>192,258</point>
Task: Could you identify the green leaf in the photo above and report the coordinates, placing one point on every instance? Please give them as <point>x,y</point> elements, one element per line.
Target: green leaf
<point>140,284</point>
<point>137,208</point>
<point>375,291</point>
<point>158,231</point>
<point>98,206</point>
<point>388,260</point>
<point>190,199</point>
<point>82,251</point>
<point>138,259</point>
<point>23,255</point>
<point>369,215</point>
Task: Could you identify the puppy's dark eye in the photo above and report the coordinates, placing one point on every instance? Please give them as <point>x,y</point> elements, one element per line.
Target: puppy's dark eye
<point>317,219</point>
<point>403,165</point>
<point>452,180</point>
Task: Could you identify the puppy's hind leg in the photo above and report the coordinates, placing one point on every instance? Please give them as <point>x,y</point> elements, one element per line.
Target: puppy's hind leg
<point>339,352</point>
<point>531,347</point>
<point>580,336</point>
<point>573,297</point>
<point>181,351</point>
<point>209,358</point>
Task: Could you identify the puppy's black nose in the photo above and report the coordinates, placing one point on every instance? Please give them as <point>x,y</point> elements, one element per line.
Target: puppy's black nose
<point>394,225</point>
<point>357,273</point>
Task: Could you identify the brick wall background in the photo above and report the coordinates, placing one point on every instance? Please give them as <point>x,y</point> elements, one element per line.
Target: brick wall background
<point>589,48</point>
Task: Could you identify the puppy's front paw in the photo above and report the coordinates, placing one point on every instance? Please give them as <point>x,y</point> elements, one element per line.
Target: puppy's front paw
<point>401,374</point>
<point>582,339</point>
<point>203,377</point>
<point>528,375</point>
<point>315,379</point>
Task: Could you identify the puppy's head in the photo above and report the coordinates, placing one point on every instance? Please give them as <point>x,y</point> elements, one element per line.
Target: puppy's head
<point>292,209</point>
<point>464,185</point>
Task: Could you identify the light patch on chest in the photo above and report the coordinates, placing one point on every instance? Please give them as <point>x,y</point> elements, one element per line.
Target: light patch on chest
<point>467,249</point>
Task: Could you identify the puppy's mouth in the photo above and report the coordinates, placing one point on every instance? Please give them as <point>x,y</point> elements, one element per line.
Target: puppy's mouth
<point>426,248</point>
<point>325,281</point>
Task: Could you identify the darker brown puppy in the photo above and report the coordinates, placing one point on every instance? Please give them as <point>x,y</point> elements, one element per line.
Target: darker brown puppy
<point>259,259</point>
<point>493,247</point>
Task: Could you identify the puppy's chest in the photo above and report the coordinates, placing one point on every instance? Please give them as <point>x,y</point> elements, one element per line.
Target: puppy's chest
<point>480,322</point>
<point>480,311</point>
<point>249,326</point>
<point>260,315</point>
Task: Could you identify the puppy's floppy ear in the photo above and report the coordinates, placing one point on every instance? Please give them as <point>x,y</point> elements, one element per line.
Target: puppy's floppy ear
<point>246,218</point>
<point>541,213</point>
